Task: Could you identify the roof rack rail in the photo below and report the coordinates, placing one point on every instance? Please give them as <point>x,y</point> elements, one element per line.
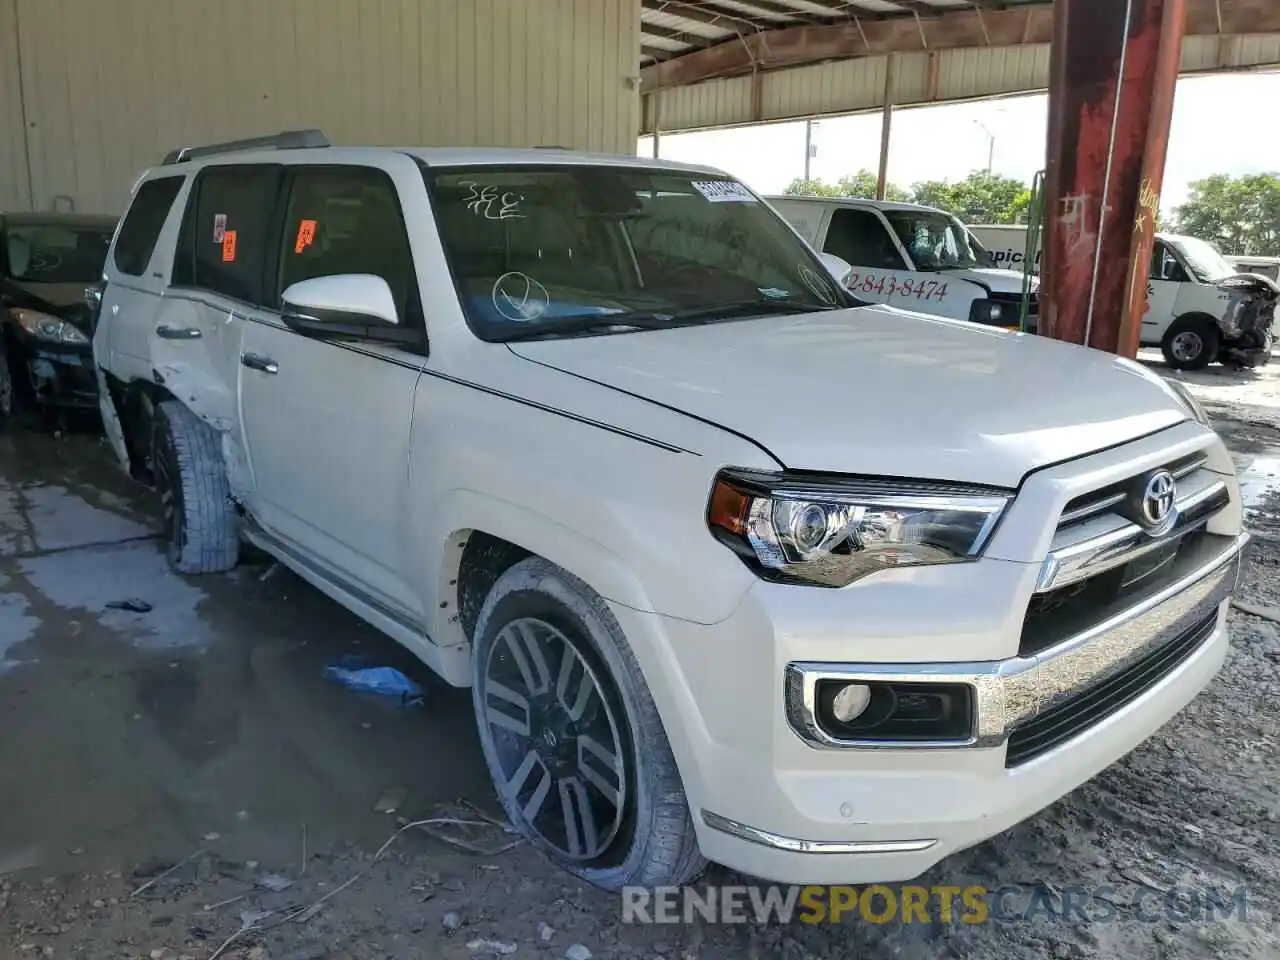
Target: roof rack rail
<point>285,140</point>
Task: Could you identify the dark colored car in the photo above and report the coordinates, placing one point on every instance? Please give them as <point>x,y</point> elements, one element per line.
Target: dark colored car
<point>47,260</point>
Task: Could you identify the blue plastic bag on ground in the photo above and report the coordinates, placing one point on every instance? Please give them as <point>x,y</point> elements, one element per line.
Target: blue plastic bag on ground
<point>385,681</point>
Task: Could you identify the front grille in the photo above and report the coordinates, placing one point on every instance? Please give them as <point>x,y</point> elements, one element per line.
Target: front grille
<point>1058,614</point>
<point>1100,501</point>
<point>1059,724</point>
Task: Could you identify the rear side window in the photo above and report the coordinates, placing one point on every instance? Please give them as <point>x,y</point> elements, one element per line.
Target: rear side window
<point>143,222</point>
<point>225,231</point>
<point>860,238</point>
<point>346,220</point>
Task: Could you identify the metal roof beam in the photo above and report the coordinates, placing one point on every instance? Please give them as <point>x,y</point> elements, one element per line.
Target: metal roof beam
<point>698,14</point>
<point>955,28</point>
<point>679,36</point>
<point>794,46</point>
<point>761,8</point>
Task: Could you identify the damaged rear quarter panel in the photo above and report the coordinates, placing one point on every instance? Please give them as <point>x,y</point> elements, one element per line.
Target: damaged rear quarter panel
<point>202,374</point>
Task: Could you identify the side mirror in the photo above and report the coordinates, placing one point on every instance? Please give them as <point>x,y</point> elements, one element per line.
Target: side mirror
<point>837,267</point>
<point>350,303</point>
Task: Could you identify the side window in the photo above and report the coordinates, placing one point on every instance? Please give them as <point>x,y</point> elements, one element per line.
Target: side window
<point>143,223</point>
<point>346,220</point>
<point>1165,266</point>
<point>226,231</point>
<point>860,237</point>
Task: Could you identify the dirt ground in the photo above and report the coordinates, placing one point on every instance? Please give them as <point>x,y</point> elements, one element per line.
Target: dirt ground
<point>170,777</point>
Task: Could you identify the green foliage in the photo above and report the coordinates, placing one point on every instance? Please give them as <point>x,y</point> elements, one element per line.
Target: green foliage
<point>861,184</point>
<point>979,198</point>
<point>1241,215</point>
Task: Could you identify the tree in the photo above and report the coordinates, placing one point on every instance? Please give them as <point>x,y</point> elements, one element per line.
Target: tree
<point>1241,215</point>
<point>981,197</point>
<point>861,184</point>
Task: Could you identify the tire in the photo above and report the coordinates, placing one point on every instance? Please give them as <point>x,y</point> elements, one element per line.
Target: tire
<point>1191,343</point>
<point>201,525</point>
<point>8,392</point>
<point>536,619</point>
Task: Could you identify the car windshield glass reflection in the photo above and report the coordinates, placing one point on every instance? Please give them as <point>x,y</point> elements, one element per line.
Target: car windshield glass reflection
<point>560,250</point>
<point>56,253</point>
<point>936,241</point>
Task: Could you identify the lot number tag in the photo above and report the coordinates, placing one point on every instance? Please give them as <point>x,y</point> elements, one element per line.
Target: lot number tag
<point>229,246</point>
<point>724,191</point>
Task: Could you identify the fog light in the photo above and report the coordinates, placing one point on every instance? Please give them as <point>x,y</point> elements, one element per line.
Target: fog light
<point>850,701</point>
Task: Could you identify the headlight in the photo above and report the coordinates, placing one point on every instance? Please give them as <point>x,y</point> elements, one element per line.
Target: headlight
<point>832,532</point>
<point>44,327</point>
<point>1190,402</point>
<point>995,313</point>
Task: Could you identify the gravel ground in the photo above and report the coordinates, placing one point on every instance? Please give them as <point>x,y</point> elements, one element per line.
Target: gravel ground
<point>156,791</point>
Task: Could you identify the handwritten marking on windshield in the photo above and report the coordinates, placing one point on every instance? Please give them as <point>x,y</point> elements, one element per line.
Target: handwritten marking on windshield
<point>519,298</point>
<point>481,200</point>
<point>818,286</point>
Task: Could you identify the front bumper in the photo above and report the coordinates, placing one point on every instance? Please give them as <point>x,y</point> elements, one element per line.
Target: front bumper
<point>770,801</point>
<point>58,375</point>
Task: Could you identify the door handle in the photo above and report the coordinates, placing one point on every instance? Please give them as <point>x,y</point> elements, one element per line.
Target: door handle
<point>166,332</point>
<point>256,361</point>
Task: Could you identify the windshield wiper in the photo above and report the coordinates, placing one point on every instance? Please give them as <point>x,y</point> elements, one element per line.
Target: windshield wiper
<point>653,320</point>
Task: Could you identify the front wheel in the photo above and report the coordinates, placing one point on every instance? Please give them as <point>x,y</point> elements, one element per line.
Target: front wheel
<point>1191,343</point>
<point>572,737</point>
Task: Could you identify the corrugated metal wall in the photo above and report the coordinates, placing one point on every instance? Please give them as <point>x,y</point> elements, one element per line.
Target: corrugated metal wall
<point>109,86</point>
<point>853,86</point>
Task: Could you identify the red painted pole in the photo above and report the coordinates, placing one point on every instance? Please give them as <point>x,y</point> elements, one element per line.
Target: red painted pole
<point>1110,98</point>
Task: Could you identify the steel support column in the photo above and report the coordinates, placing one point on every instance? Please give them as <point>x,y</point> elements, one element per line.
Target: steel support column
<point>1113,67</point>
<point>886,123</point>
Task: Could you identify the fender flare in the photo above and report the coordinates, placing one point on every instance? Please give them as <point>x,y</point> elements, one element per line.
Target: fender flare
<point>462,511</point>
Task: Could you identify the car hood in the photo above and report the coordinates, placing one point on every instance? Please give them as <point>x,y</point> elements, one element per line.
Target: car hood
<point>880,391</point>
<point>994,279</point>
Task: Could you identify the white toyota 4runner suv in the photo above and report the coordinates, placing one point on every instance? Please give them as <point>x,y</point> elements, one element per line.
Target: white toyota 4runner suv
<point>737,567</point>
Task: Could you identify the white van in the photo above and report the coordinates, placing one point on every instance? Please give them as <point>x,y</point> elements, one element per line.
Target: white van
<point>1185,307</point>
<point>1007,244</point>
<point>913,257</point>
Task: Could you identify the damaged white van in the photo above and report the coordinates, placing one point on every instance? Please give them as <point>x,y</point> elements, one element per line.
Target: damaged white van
<point>736,568</point>
<point>913,257</point>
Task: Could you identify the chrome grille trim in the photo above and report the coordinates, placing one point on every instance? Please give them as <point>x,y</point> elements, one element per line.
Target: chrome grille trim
<point>1091,508</point>
<point>1088,549</point>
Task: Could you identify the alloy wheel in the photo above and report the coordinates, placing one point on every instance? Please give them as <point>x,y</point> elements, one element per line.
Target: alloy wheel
<point>553,728</point>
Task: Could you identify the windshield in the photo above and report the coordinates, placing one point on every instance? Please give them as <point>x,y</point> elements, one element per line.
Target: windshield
<point>56,252</point>
<point>1203,260</point>
<point>539,248</point>
<point>936,241</point>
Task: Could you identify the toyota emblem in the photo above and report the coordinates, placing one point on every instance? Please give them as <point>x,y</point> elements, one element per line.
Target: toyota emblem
<point>1159,511</point>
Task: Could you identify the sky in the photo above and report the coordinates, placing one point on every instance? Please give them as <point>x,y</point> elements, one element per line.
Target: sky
<point>947,142</point>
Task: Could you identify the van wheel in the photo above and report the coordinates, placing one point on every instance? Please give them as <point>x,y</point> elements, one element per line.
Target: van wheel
<point>572,737</point>
<point>201,528</point>
<point>1191,343</point>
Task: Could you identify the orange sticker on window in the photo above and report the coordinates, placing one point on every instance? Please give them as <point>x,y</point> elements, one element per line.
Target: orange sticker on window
<point>229,246</point>
<point>306,233</point>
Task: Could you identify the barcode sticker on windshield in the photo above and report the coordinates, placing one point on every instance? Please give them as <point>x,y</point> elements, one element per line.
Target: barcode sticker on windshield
<point>724,191</point>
